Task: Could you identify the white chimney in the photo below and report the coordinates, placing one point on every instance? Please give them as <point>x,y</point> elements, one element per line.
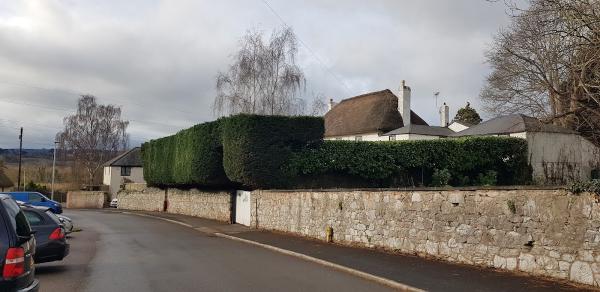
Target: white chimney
<point>331,104</point>
<point>444,115</point>
<point>404,103</point>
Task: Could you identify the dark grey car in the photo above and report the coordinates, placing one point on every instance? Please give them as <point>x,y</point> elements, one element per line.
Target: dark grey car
<point>17,248</point>
<point>50,234</point>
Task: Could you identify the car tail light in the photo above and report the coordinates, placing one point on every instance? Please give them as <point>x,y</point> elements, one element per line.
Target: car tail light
<point>15,263</point>
<point>57,234</point>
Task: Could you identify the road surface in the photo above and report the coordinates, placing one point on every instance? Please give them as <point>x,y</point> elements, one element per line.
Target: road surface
<point>122,252</point>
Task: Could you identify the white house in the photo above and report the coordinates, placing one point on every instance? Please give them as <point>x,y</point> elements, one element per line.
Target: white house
<point>125,168</point>
<point>557,155</point>
<point>371,116</point>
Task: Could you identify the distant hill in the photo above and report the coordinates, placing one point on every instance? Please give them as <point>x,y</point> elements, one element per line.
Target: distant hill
<point>12,155</point>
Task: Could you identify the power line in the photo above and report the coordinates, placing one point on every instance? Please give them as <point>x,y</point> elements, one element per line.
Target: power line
<point>335,76</point>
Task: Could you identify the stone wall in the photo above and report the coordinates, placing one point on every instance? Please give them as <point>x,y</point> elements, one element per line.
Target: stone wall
<point>543,232</point>
<point>86,200</point>
<point>205,204</point>
<point>149,199</point>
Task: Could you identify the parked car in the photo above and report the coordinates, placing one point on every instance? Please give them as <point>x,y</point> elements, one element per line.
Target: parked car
<point>67,222</point>
<point>113,203</point>
<point>36,199</point>
<point>17,249</point>
<point>50,235</point>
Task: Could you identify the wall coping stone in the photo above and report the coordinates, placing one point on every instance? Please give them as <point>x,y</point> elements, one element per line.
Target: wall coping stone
<point>472,188</point>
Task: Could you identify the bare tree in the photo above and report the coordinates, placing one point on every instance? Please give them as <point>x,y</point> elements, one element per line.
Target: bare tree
<point>318,106</point>
<point>93,135</point>
<point>264,77</point>
<point>546,64</point>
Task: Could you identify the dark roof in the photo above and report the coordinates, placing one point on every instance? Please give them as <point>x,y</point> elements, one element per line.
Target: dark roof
<point>515,123</point>
<point>5,182</point>
<point>367,113</point>
<point>132,157</point>
<point>466,124</point>
<point>422,130</point>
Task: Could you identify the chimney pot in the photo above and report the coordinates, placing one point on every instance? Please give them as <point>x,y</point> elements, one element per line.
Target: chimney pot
<point>445,115</point>
<point>404,103</point>
<point>331,104</point>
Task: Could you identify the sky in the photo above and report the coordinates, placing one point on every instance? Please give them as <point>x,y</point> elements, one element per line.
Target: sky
<point>158,60</point>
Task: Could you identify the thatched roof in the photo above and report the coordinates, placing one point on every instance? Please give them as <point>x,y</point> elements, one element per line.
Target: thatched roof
<point>375,112</point>
<point>5,182</point>
<point>515,123</point>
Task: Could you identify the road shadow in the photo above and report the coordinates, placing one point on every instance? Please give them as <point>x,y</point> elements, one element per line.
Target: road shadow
<point>45,270</point>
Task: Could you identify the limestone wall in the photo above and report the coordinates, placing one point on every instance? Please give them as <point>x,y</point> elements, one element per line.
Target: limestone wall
<point>86,200</point>
<point>544,232</point>
<point>205,204</point>
<point>149,199</point>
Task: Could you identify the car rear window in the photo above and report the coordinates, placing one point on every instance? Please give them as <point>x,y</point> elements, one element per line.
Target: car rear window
<point>33,218</point>
<point>53,217</point>
<point>17,218</point>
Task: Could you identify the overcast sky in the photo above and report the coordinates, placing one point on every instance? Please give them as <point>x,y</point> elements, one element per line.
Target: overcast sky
<point>158,59</point>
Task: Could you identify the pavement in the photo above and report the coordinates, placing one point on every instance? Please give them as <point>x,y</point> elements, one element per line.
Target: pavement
<point>423,273</point>
<point>126,252</point>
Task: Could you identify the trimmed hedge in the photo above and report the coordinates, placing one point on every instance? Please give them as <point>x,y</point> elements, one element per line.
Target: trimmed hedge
<point>410,163</point>
<point>255,151</point>
<point>192,157</point>
<point>256,147</point>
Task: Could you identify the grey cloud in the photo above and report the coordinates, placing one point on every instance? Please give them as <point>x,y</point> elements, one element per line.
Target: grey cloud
<point>158,59</point>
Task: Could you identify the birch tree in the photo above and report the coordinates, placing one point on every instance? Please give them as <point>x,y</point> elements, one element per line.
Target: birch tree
<point>93,135</point>
<point>264,77</point>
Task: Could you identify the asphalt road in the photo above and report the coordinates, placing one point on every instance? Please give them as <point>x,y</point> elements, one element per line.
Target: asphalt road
<point>120,252</point>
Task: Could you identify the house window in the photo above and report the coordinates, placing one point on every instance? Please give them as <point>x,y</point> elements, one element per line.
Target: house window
<point>125,170</point>
<point>392,137</point>
<point>358,138</point>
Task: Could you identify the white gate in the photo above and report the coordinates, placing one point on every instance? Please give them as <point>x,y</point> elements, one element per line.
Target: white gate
<point>242,208</point>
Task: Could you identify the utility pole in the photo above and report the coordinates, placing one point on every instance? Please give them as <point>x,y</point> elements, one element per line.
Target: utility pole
<point>20,150</point>
<point>53,166</point>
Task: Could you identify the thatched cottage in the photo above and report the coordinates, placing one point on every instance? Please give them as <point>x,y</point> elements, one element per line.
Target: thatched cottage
<point>557,155</point>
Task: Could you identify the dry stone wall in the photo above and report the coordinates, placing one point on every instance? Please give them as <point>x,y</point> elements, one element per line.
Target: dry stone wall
<point>210,205</point>
<point>543,232</point>
<point>149,199</point>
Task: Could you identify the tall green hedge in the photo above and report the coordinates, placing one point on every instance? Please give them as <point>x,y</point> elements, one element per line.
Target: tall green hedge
<point>255,148</point>
<point>192,157</point>
<point>409,163</point>
<point>287,152</point>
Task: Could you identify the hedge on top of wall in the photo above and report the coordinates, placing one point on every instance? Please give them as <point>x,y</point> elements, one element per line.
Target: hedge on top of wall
<point>470,161</point>
<point>192,157</point>
<point>255,148</point>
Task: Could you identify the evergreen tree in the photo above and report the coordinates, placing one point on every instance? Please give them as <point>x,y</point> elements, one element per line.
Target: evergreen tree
<point>467,115</point>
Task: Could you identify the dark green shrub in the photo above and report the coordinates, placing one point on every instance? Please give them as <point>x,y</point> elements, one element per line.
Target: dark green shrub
<point>592,186</point>
<point>256,147</point>
<point>192,157</point>
<point>33,187</point>
<point>595,174</point>
<point>489,178</point>
<point>440,178</point>
<point>410,163</point>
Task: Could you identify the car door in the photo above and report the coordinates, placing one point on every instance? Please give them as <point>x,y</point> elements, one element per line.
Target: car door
<point>22,229</point>
<point>40,225</point>
<point>36,199</point>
